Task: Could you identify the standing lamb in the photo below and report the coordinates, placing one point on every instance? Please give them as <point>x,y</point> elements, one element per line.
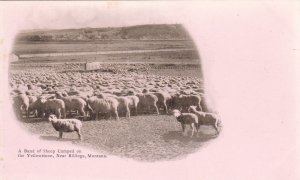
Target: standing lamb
<point>186,118</point>
<point>66,125</point>
<point>206,118</point>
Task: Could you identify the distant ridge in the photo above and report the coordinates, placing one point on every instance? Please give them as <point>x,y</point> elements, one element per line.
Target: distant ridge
<point>139,32</point>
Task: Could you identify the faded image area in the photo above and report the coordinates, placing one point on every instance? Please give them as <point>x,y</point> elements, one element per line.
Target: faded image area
<point>132,91</point>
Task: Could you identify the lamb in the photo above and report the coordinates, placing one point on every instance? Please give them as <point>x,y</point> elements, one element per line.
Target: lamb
<point>186,118</point>
<point>206,118</point>
<point>148,101</point>
<point>106,105</point>
<point>185,101</point>
<point>66,125</point>
<point>73,103</point>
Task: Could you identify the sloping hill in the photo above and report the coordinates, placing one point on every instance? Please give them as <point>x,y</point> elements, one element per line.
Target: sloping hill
<point>140,32</point>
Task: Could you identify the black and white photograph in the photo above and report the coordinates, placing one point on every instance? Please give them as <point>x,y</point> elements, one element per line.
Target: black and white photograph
<point>132,91</point>
<point>149,90</point>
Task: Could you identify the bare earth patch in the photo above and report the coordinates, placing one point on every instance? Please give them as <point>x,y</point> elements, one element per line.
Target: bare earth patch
<point>143,138</point>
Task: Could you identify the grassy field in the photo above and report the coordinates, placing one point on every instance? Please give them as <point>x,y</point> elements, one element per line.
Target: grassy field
<point>150,57</point>
<point>143,138</point>
<point>105,45</point>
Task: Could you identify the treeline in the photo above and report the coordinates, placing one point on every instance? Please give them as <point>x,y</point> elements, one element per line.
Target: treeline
<point>140,32</point>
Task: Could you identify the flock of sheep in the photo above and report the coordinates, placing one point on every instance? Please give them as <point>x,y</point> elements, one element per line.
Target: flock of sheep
<point>65,97</point>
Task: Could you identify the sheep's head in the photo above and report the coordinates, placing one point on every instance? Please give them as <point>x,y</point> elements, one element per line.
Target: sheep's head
<point>52,118</point>
<point>176,113</point>
<point>192,109</point>
<point>43,99</point>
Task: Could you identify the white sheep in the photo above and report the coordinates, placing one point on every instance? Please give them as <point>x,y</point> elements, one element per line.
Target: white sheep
<point>123,107</point>
<point>56,106</point>
<point>163,98</point>
<point>107,105</point>
<point>133,103</point>
<point>185,101</point>
<point>186,118</point>
<point>21,102</point>
<point>148,101</point>
<point>66,125</point>
<point>205,118</point>
<point>73,103</point>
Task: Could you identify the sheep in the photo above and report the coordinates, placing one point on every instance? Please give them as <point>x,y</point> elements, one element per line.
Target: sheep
<point>106,105</point>
<point>32,99</point>
<point>73,103</point>
<point>37,107</point>
<point>34,105</point>
<point>56,106</point>
<point>185,101</point>
<point>133,102</point>
<point>66,125</point>
<point>163,98</point>
<point>123,105</point>
<point>186,118</point>
<point>21,102</point>
<point>148,101</point>
<point>206,118</point>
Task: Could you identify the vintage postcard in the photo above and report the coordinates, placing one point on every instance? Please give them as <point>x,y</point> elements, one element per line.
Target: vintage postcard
<point>149,90</point>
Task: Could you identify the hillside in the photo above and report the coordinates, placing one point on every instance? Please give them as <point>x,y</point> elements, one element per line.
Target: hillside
<point>140,32</point>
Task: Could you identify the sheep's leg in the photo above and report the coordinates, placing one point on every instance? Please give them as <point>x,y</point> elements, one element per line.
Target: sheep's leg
<point>81,112</point>
<point>136,111</point>
<point>63,113</point>
<point>193,129</point>
<point>79,134</point>
<point>97,115</point>
<point>183,128</point>
<point>156,109</point>
<point>197,129</point>
<point>27,113</point>
<point>116,114</point>
<point>149,110</point>
<point>166,107</point>
<point>60,134</point>
<point>215,127</point>
<point>199,107</point>
<point>127,112</point>
<point>58,114</point>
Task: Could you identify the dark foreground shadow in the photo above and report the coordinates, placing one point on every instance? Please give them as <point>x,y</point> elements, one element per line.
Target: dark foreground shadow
<point>177,135</point>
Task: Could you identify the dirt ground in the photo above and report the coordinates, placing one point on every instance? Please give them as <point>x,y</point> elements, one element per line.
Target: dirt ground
<point>143,138</point>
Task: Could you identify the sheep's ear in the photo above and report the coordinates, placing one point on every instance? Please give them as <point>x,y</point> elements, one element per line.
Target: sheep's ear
<point>180,109</point>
